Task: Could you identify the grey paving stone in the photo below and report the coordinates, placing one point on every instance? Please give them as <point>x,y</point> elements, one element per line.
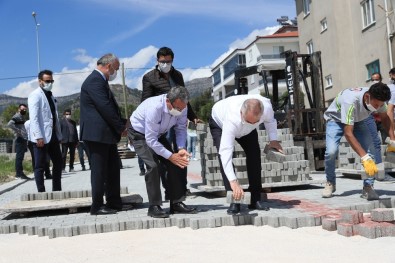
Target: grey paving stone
<point>382,214</point>
<point>345,229</point>
<point>365,230</point>
<point>194,224</point>
<point>257,221</point>
<point>180,223</point>
<point>160,223</point>
<point>273,221</point>
<point>329,224</point>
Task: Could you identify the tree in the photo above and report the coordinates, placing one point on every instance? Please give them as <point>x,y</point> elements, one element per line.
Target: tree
<point>9,112</point>
<point>202,105</point>
<point>6,133</point>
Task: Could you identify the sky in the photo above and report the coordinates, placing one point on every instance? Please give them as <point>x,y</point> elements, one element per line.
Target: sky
<point>73,34</point>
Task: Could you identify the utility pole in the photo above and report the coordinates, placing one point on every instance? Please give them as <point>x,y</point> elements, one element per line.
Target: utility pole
<point>124,90</point>
<point>34,14</point>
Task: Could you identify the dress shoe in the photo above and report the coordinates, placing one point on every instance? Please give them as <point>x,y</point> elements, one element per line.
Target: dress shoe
<point>259,205</point>
<point>233,209</point>
<point>103,210</point>
<point>23,177</point>
<point>83,169</point>
<point>121,207</point>
<point>157,212</point>
<point>181,208</point>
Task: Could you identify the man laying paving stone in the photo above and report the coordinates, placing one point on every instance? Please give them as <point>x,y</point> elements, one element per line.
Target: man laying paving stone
<point>236,118</point>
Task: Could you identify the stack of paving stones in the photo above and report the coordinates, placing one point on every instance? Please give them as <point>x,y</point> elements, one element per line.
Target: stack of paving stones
<point>294,169</point>
<point>349,161</point>
<point>378,223</point>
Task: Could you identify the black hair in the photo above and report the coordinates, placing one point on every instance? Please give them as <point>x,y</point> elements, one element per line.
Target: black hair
<point>165,51</point>
<point>67,110</point>
<point>44,72</point>
<point>392,71</point>
<point>380,91</point>
<point>377,73</point>
<point>20,105</point>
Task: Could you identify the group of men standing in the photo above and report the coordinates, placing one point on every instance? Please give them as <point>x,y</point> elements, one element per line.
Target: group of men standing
<point>158,131</point>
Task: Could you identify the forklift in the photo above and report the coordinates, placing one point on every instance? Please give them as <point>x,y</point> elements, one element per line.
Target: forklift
<point>306,124</point>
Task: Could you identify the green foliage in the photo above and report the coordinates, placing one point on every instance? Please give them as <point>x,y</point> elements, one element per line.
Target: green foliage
<point>7,168</point>
<point>9,112</point>
<point>130,109</point>
<point>202,105</point>
<point>6,133</point>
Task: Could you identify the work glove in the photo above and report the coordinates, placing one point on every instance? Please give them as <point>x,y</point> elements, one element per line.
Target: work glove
<point>369,165</point>
<point>390,146</point>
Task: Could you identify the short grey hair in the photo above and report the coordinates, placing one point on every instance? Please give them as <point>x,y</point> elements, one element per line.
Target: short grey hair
<point>178,92</point>
<point>252,105</point>
<point>107,59</point>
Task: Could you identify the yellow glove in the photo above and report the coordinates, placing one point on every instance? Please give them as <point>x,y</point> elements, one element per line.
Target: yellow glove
<point>369,165</point>
<point>390,146</point>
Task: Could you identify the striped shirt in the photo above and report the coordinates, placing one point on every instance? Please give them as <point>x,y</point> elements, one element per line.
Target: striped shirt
<point>348,107</point>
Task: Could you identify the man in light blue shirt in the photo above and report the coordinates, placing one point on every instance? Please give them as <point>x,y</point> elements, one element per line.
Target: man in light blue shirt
<point>149,125</point>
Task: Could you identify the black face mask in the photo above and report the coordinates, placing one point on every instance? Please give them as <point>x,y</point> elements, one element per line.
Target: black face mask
<point>23,112</point>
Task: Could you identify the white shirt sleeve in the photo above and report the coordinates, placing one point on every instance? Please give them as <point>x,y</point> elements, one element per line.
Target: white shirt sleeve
<point>226,148</point>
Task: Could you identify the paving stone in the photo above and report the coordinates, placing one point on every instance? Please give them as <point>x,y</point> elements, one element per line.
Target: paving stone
<point>329,224</point>
<point>367,229</point>
<point>351,217</point>
<point>345,229</point>
<point>194,224</point>
<point>159,223</point>
<point>257,220</point>
<point>273,221</point>
<point>382,215</point>
<point>180,223</point>
<point>246,199</point>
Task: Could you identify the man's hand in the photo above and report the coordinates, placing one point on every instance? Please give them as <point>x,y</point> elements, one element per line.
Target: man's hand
<point>238,192</point>
<point>369,165</point>
<point>179,160</point>
<point>184,153</point>
<point>196,121</point>
<point>391,146</point>
<point>276,145</point>
<point>40,143</point>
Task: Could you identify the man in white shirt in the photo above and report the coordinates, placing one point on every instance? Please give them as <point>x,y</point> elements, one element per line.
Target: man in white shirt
<point>236,118</point>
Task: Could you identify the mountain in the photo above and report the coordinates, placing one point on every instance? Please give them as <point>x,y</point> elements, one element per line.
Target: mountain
<point>195,87</point>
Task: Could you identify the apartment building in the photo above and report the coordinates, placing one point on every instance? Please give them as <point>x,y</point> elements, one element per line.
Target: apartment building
<point>354,37</point>
<point>265,51</point>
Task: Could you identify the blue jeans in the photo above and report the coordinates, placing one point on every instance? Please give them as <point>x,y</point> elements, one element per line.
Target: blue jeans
<point>334,132</point>
<point>192,145</point>
<point>375,148</point>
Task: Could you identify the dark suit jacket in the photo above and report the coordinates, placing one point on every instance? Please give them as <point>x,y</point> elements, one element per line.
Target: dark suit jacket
<point>154,84</point>
<point>100,119</point>
<point>64,127</point>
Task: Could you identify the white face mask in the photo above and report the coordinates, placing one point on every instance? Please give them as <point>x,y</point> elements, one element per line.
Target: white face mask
<point>249,125</point>
<point>164,67</point>
<point>47,86</point>
<point>175,112</point>
<point>375,82</point>
<point>68,116</point>
<point>370,107</point>
<point>112,76</point>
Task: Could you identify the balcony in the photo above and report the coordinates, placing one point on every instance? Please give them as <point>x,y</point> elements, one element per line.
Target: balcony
<point>271,56</point>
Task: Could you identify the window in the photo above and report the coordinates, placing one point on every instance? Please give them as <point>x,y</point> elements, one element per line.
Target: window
<point>252,79</point>
<point>306,7</point>
<point>217,77</point>
<point>278,50</point>
<point>372,68</point>
<point>367,9</point>
<point>324,25</point>
<point>328,82</point>
<point>310,48</point>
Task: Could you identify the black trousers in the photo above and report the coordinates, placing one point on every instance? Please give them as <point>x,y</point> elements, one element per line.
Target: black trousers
<point>70,146</point>
<point>20,149</point>
<point>105,174</point>
<point>250,145</point>
<point>175,187</point>
<point>40,161</point>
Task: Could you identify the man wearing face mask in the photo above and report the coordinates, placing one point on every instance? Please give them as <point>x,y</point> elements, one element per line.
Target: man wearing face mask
<point>345,116</point>
<point>101,127</point>
<point>237,118</point>
<point>159,81</point>
<point>17,125</point>
<point>149,124</point>
<point>69,139</point>
<point>45,133</point>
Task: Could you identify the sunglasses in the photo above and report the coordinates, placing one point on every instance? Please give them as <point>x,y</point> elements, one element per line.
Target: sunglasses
<point>49,81</point>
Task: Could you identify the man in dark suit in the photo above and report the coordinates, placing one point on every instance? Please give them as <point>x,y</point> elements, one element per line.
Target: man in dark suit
<point>101,128</point>
<point>69,139</point>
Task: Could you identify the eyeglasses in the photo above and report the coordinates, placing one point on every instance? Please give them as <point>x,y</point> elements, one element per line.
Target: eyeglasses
<point>49,81</point>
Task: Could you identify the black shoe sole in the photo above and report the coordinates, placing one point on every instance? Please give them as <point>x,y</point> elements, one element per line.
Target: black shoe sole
<point>158,216</point>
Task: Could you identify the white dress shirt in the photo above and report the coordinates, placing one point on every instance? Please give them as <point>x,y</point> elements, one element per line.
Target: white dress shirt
<point>227,114</point>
